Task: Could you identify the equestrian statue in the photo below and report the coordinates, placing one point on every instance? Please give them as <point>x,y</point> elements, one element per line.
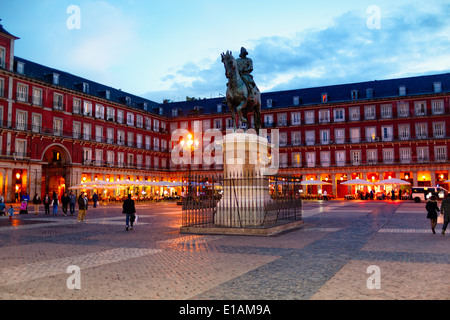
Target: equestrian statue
<point>243,95</point>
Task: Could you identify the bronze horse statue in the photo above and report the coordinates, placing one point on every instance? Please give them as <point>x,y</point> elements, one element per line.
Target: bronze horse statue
<point>239,98</point>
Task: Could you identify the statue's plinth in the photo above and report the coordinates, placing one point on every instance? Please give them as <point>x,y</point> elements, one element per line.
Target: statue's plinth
<point>246,195</point>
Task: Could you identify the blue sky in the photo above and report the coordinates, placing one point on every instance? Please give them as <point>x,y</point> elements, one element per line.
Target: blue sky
<point>171,49</point>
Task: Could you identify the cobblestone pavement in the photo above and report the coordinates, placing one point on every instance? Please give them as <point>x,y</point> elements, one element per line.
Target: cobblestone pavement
<point>344,250</point>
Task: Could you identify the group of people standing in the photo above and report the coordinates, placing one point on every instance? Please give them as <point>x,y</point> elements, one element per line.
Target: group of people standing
<point>432,208</point>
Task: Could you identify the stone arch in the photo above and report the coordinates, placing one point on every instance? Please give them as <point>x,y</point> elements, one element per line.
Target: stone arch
<point>48,156</point>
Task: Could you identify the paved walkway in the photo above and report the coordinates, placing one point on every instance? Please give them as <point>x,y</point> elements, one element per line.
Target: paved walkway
<point>344,250</point>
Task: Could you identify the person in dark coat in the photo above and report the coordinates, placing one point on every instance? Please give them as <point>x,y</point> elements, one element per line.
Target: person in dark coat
<point>130,210</point>
<point>65,202</point>
<point>445,210</point>
<point>432,209</point>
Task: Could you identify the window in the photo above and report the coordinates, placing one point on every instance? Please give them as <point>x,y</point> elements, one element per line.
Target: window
<point>403,132</point>
<point>295,118</point>
<point>98,133</point>
<point>310,137</point>
<point>148,124</point>
<point>148,143</point>
<point>86,131</point>
<point>110,158</point>
<point>422,154</point>
<point>340,158</point>
<point>85,88</point>
<point>354,94</point>
<point>2,58</point>
<point>369,112</point>
<point>339,135</point>
<point>76,130</point>
<point>387,133</point>
<point>324,97</point>
<point>130,139</point>
<point>37,96</point>
<point>20,147</point>
<point>369,93</point>
<point>55,79</point>
<point>206,125</point>
<point>296,100</point>
<point>109,135</point>
<point>139,121</point>
<point>218,124</point>
<point>296,159</point>
<point>87,156</point>
<point>403,110</point>
<point>98,157</point>
<point>229,123</point>
<point>354,114</point>
<point>57,126</point>
<point>268,120</point>
<point>156,144</point>
<point>282,119</point>
<point>402,91</point>
<point>156,162</point>
<point>120,159</point>
<point>355,136</point>
<point>421,131</point>
<point>437,87</point>
<point>356,157</point>
<point>309,117</point>
<point>219,108</point>
<point>21,120</point>
<point>283,160</point>
<point>324,116</point>
<point>310,159</point>
<point>325,158</point>
<point>36,122</point>
<point>87,108</point>
<point>371,134</point>
<point>296,138</point>
<point>99,111</point>
<point>58,101</point>
<point>420,108</point>
<point>437,107</point>
<point>119,116</point>
<point>110,114</point>
<point>139,161</point>
<point>138,140</point>
<point>130,119</point>
<point>22,92</point>
<point>130,160</point>
<point>283,139</point>
<point>2,87</point>
<point>386,111</point>
<point>76,107</point>
<point>269,103</point>
<point>20,67</point>
<point>439,129</point>
<point>324,136</point>
<point>388,155</point>
<point>372,156</point>
<point>120,137</point>
<point>174,112</point>
<point>339,115</point>
<point>440,153</point>
<point>155,125</point>
<point>405,155</point>
<point>148,162</point>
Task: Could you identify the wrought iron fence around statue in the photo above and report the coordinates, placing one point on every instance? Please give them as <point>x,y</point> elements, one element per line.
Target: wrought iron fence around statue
<point>240,200</point>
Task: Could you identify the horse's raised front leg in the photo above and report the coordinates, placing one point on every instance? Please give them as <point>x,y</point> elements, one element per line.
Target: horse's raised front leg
<point>243,104</point>
<point>233,116</point>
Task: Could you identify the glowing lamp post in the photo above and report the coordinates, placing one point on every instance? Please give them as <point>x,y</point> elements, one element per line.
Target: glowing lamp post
<point>189,145</point>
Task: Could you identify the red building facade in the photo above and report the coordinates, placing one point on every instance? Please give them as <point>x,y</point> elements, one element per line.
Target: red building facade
<point>58,130</point>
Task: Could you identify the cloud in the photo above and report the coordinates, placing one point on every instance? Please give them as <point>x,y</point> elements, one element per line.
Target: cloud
<point>411,41</point>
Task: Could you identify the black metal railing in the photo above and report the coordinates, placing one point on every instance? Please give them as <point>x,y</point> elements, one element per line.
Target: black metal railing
<point>239,201</point>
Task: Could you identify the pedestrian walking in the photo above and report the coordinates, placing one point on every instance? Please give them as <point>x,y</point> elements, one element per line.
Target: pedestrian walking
<point>72,201</point>
<point>432,209</point>
<point>95,199</point>
<point>36,202</point>
<point>65,203</point>
<point>82,207</point>
<point>130,210</point>
<point>11,212</point>
<point>445,210</point>
<point>55,203</point>
<point>47,201</point>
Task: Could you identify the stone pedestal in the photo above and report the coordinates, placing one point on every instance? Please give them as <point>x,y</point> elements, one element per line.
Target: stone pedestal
<point>246,199</point>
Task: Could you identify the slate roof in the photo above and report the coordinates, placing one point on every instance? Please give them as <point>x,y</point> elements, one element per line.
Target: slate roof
<point>307,96</point>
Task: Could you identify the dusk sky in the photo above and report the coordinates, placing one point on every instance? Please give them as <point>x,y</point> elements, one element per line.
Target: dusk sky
<point>171,49</point>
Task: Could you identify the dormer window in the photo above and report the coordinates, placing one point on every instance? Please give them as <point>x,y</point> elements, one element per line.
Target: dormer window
<point>85,87</point>
<point>55,79</point>
<point>402,91</point>
<point>324,97</point>
<point>296,100</point>
<point>219,108</point>
<point>2,57</point>
<point>175,112</point>
<point>354,94</point>
<point>269,103</point>
<point>20,67</point>
<point>369,93</point>
<point>437,87</point>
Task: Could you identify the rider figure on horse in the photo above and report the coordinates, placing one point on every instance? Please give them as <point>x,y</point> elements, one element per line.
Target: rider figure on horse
<point>245,66</point>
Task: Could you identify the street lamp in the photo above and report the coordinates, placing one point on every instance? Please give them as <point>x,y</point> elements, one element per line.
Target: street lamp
<point>189,145</point>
